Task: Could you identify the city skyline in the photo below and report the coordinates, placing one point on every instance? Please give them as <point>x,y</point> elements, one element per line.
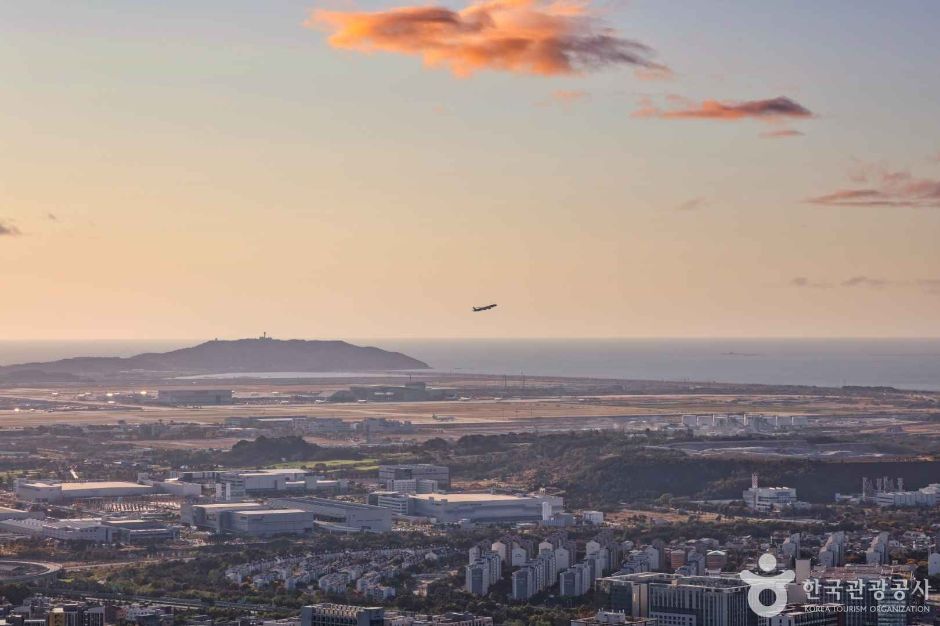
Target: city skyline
<point>374,170</point>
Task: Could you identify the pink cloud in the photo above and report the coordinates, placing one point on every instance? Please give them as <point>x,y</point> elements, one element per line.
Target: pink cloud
<point>534,37</point>
<point>881,187</point>
<point>770,110</point>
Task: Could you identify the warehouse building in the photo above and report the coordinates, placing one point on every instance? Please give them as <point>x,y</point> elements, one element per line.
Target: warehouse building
<point>215,517</point>
<point>8,513</point>
<point>247,518</point>
<point>482,508</point>
<point>339,515</point>
<point>43,491</point>
<point>95,530</point>
<point>188,397</point>
<point>267,522</point>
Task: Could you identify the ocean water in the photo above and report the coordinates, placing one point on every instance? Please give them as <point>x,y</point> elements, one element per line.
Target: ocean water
<point>902,363</point>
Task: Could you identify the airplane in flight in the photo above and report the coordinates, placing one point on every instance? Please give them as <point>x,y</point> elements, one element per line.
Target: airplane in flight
<point>477,309</point>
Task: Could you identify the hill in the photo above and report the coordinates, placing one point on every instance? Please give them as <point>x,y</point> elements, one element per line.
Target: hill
<point>241,355</point>
<point>603,469</point>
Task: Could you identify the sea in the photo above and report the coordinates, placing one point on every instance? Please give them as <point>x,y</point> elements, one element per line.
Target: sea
<point>900,363</point>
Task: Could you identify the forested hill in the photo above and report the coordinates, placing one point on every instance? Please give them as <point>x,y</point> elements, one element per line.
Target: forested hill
<point>240,355</point>
<point>603,469</point>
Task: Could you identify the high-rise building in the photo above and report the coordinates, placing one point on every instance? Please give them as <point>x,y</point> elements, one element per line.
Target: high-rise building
<point>483,572</point>
<point>877,553</point>
<point>576,580</point>
<point>523,583</point>
<point>832,554</point>
<point>790,549</point>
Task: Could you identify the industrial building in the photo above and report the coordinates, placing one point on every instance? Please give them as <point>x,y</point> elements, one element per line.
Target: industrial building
<point>339,515</point>
<point>409,392</point>
<point>141,531</point>
<point>397,502</point>
<point>188,397</point>
<point>78,529</point>
<point>236,485</point>
<point>449,508</point>
<point>215,517</point>
<point>925,497</point>
<point>415,471</point>
<point>8,513</point>
<point>49,491</point>
<point>767,499</point>
<point>247,518</point>
<point>95,530</point>
<point>267,522</point>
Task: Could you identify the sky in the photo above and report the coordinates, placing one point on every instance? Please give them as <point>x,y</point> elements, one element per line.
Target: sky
<point>363,168</point>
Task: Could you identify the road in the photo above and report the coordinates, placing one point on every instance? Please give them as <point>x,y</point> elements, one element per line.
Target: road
<point>164,600</point>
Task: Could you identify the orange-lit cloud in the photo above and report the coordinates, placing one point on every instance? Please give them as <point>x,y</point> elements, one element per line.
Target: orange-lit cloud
<point>884,188</point>
<point>772,110</point>
<point>536,37</point>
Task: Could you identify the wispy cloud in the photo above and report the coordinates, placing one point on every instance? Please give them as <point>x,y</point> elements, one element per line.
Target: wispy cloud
<point>861,281</point>
<point>692,204</point>
<point>535,37</point>
<point>932,285</point>
<point>882,187</point>
<point>803,281</point>
<point>569,95</point>
<point>771,110</point>
<point>8,230</point>
<point>865,281</point>
<point>566,98</point>
<point>781,134</point>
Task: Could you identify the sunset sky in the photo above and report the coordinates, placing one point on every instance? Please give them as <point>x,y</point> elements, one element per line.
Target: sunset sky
<point>356,168</point>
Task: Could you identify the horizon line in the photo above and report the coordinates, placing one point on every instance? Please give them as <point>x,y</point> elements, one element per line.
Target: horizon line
<point>495,338</point>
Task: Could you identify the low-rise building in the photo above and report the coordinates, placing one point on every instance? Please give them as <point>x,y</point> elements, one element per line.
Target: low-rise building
<point>341,615</point>
<point>52,491</point>
<point>266,522</point>
<point>612,617</point>
<point>340,515</point>
<point>216,517</point>
<point>195,396</point>
<point>809,615</point>
<point>416,471</point>
<point>476,507</point>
